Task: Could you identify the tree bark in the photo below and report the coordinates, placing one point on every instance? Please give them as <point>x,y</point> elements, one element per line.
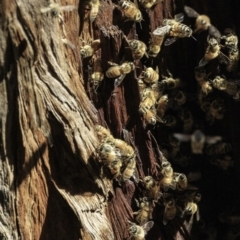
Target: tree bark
<point>51,185</point>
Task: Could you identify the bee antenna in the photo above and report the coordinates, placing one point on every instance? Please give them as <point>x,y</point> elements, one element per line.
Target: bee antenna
<point>193,38</point>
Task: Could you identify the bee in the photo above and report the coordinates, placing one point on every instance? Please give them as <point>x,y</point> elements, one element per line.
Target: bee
<point>148,99</point>
<point>149,75</point>
<point>231,39</point>
<point>212,52</point>
<point>139,232</point>
<point>219,148</point>
<point>131,11</point>
<point>97,75</point>
<point>152,187</point>
<point>148,114</point>
<point>55,9</point>
<point>143,215</point>
<point>173,28</point>
<point>170,83</point>
<point>138,48</point>
<point>231,42</point>
<point>202,23</point>
<point>126,151</point>
<point>181,181</point>
<point>149,3</point>
<point>89,49</point>
<point>155,45</point>
<point>141,85</point>
<point>119,71</point>
<point>170,210</point>
<point>161,106</point>
<point>223,162</point>
<point>187,119</point>
<point>190,208</point>
<point>202,79</point>
<point>216,110</point>
<point>115,167</point>
<point>108,153</point>
<point>103,132</point>
<point>229,87</point>
<point>167,172</point>
<point>130,171</point>
<point>179,97</point>
<point>198,139</point>
<point>94,5</point>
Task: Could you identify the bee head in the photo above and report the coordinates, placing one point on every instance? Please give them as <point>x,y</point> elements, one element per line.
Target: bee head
<point>133,44</point>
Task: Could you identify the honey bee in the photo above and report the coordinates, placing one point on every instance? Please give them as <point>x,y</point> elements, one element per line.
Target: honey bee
<point>190,208</point>
<point>170,82</point>
<point>55,9</point>
<point>212,52</point>
<point>107,153</point>
<point>126,151</point>
<point>148,114</point>
<point>216,110</point>
<point>131,11</point>
<point>103,132</point>
<point>187,119</point>
<point>149,3</point>
<point>167,172</point>
<point>130,171</point>
<point>119,71</point>
<point>97,75</point>
<point>148,99</point>
<point>219,148</point>
<point>231,42</point>
<point>223,162</point>
<point>149,75</point>
<point>198,139</point>
<point>138,48</point>
<point>89,49</point>
<point>115,167</point>
<point>139,232</point>
<point>170,210</point>
<point>143,215</point>
<point>161,107</point>
<point>141,85</point>
<point>181,181</point>
<point>202,23</point>
<point>202,79</point>
<point>179,97</point>
<point>229,87</point>
<point>152,187</point>
<point>155,45</point>
<point>173,28</point>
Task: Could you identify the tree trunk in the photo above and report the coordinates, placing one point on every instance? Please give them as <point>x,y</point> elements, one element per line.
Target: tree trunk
<point>52,186</point>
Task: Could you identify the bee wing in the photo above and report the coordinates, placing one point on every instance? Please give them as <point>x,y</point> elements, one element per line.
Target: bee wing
<point>119,80</point>
<point>170,41</point>
<point>46,9</point>
<point>190,12</point>
<point>179,17</point>
<point>165,220</point>
<point>136,176</point>
<point>112,63</point>
<point>203,62</point>
<point>67,8</point>
<point>214,32</point>
<point>182,137</point>
<point>223,59</point>
<point>147,226</point>
<point>213,139</point>
<point>162,31</point>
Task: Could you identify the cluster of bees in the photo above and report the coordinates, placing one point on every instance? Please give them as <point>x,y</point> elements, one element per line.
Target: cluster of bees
<point>163,102</point>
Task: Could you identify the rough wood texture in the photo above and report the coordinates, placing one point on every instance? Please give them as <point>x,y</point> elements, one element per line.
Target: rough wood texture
<point>51,181</point>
